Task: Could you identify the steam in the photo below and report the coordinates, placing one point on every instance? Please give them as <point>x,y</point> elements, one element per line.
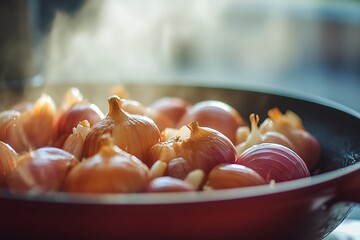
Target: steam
<point>112,40</point>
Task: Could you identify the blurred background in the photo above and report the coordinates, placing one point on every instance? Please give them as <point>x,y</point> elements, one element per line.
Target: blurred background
<point>307,47</point>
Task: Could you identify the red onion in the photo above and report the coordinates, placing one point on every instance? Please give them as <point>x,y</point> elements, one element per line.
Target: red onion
<point>289,124</point>
<point>274,162</point>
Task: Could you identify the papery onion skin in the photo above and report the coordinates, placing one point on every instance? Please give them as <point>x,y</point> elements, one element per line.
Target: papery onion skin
<point>256,137</point>
<point>42,170</point>
<point>37,124</point>
<point>305,144</point>
<point>181,133</point>
<point>226,176</point>
<point>134,107</point>
<point>168,184</point>
<point>134,134</point>
<point>112,170</point>
<point>76,114</point>
<point>29,129</point>
<point>214,114</point>
<point>8,162</point>
<point>74,143</point>
<point>164,151</point>
<point>207,147</point>
<point>179,168</point>
<point>274,162</point>
<point>137,136</point>
<point>8,130</point>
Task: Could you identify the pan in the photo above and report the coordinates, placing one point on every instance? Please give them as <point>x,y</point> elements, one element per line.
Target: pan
<point>308,208</point>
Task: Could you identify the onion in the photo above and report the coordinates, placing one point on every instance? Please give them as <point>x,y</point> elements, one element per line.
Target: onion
<point>37,124</point>
<point>134,107</point>
<point>179,168</point>
<point>8,162</point>
<point>181,133</point>
<point>168,184</point>
<point>172,107</point>
<point>232,176</point>
<point>134,134</point>
<point>164,151</point>
<point>289,124</point>
<point>274,162</point>
<point>42,170</point>
<point>111,170</point>
<point>214,114</point>
<point>203,149</point>
<point>9,133</point>
<point>206,148</point>
<point>74,143</point>
<point>256,137</point>
<point>76,114</point>
<point>192,182</point>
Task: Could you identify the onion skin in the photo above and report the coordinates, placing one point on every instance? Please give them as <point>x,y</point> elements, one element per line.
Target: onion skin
<point>37,125</point>
<point>29,129</point>
<point>74,143</point>
<point>203,149</point>
<point>305,145</point>
<point>214,114</point>
<point>274,162</point>
<point>179,168</point>
<point>8,130</point>
<point>112,170</point>
<point>256,137</point>
<point>133,107</point>
<point>161,120</point>
<point>8,162</point>
<point>168,184</point>
<point>172,107</point>
<point>42,170</point>
<point>206,148</point>
<point>226,176</point>
<point>164,151</point>
<point>134,134</point>
<point>76,114</point>
<point>181,133</point>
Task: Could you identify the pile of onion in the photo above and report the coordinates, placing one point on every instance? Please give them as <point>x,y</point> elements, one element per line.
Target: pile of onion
<point>167,146</point>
